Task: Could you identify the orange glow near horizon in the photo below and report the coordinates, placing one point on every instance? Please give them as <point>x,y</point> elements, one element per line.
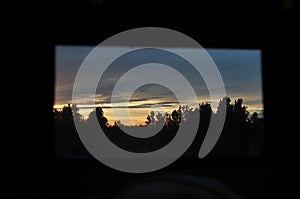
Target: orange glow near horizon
<point>138,115</point>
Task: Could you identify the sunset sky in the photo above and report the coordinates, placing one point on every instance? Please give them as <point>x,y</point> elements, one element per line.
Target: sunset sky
<point>240,70</point>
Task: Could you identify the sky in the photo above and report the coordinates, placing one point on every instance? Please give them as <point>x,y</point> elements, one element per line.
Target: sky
<point>239,68</point>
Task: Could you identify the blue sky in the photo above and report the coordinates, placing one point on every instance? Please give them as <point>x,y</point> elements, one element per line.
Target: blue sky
<point>240,70</point>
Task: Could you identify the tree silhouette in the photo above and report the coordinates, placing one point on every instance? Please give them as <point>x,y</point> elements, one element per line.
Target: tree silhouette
<point>76,115</point>
<point>241,133</point>
<point>160,119</point>
<point>148,121</point>
<point>100,116</point>
<point>67,113</point>
<point>254,117</point>
<point>176,116</point>
<point>99,113</point>
<point>185,113</point>
<point>151,119</point>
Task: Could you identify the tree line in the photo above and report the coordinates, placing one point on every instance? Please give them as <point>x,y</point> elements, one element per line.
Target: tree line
<point>242,132</point>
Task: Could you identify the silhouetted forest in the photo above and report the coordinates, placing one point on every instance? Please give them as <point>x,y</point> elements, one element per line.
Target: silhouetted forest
<point>242,134</point>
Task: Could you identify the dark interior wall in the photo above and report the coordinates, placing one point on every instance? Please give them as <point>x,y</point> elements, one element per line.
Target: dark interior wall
<point>269,25</point>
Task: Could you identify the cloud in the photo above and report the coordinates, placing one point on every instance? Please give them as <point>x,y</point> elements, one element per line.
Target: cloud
<point>240,70</point>
<point>144,99</point>
<point>147,105</point>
